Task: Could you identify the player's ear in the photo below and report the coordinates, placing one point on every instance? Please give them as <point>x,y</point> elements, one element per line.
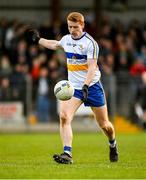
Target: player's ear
<point>83,25</point>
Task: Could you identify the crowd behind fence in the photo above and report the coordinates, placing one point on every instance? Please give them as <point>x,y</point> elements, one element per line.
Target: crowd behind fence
<point>28,72</point>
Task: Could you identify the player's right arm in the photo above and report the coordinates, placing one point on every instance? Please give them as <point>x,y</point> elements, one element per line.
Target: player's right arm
<point>50,44</point>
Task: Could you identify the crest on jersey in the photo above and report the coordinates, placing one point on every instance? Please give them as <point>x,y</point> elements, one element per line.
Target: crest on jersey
<point>81,47</point>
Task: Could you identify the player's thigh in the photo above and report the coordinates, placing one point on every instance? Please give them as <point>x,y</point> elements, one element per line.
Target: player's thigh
<point>69,107</point>
<point>100,114</point>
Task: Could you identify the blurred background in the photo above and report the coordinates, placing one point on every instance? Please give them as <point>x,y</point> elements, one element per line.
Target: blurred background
<point>28,72</point>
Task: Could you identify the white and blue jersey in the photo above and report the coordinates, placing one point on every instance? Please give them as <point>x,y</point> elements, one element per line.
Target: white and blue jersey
<point>77,52</point>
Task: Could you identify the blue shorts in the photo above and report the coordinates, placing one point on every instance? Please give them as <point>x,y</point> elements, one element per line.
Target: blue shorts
<point>96,96</point>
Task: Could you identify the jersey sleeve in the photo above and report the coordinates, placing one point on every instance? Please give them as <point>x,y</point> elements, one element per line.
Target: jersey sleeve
<point>62,41</point>
<point>92,50</point>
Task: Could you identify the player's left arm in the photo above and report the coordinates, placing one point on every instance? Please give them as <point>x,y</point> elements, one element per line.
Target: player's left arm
<point>92,55</point>
<point>92,66</point>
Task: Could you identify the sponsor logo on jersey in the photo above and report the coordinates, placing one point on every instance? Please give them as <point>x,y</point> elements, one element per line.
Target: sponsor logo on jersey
<point>71,44</point>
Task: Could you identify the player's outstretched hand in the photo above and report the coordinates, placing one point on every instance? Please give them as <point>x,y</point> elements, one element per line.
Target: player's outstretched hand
<point>85,92</point>
<point>33,34</point>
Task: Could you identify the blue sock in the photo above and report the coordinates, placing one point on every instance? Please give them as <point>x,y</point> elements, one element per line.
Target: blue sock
<point>68,150</point>
<point>112,143</point>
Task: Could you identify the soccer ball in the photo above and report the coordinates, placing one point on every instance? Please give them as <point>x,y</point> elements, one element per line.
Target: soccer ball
<point>63,90</point>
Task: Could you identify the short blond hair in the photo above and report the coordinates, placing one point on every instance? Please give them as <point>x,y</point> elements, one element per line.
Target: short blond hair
<point>76,17</point>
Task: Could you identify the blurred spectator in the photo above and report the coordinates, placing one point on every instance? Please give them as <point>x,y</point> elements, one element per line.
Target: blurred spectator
<point>62,64</point>
<point>20,52</point>
<point>123,56</point>
<point>32,53</point>
<point>5,66</point>
<point>35,68</point>
<point>10,34</point>
<point>106,46</point>
<point>43,59</point>
<point>3,29</point>
<point>138,67</point>
<point>18,83</point>
<point>109,83</point>
<point>54,76</point>
<point>106,31</point>
<point>5,90</point>
<point>43,102</point>
<point>140,105</point>
<point>53,64</point>
<point>142,54</point>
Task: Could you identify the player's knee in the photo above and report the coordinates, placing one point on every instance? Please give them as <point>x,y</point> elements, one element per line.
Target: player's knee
<point>64,119</point>
<point>105,125</point>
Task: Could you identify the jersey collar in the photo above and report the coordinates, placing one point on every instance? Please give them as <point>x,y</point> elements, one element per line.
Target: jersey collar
<point>80,37</point>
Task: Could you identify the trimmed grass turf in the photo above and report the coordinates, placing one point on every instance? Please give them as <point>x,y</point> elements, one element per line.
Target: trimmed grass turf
<point>30,156</point>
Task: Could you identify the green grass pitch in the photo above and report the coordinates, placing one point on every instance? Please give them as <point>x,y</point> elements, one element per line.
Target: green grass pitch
<point>26,156</point>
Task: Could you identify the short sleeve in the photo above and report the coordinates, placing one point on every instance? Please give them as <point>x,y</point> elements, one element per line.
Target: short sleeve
<point>62,41</point>
<point>92,50</point>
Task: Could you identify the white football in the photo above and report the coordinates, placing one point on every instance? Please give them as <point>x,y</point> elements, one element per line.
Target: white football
<point>64,90</point>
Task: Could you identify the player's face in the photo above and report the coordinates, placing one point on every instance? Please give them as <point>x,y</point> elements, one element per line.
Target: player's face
<point>75,29</point>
